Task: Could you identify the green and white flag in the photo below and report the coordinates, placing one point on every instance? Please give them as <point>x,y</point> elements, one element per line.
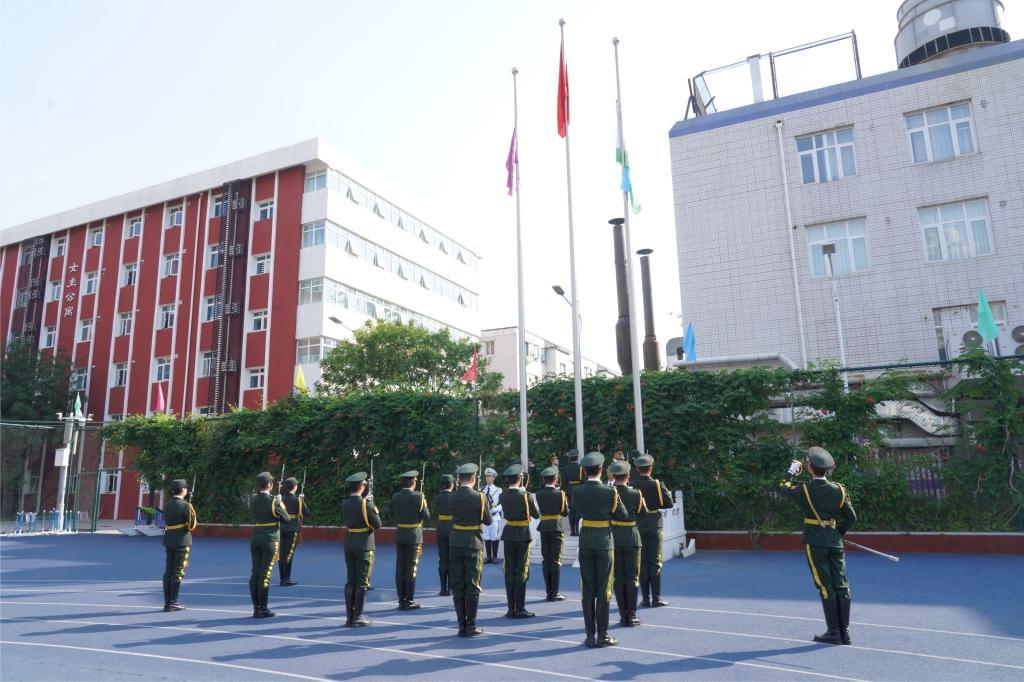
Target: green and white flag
<point>622,158</point>
<point>78,405</point>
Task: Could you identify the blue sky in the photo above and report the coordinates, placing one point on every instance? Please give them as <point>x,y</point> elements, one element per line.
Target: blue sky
<point>102,97</point>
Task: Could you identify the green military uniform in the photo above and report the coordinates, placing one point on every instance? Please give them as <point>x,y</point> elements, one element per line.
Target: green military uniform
<point>181,520</point>
<point>268,513</point>
<point>553,505</point>
<point>627,548</point>
<point>291,530</point>
<point>469,510</point>
<point>828,514</point>
<point>410,510</point>
<point>656,497</point>
<point>361,518</point>
<point>443,532</point>
<point>598,505</point>
<point>572,476</point>
<point>518,508</point>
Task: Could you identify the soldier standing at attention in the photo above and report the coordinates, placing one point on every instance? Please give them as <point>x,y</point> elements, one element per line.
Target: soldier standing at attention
<point>553,506</point>
<point>828,514</point>
<point>572,476</point>
<point>627,546</point>
<point>298,510</point>
<point>517,507</point>
<point>181,521</point>
<point>469,510</point>
<point>492,533</point>
<point>443,530</point>
<point>361,518</point>
<point>656,497</point>
<point>410,510</point>
<point>598,505</point>
<point>268,513</point>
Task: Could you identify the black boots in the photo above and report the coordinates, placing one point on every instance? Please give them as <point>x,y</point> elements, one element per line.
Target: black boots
<point>590,623</point>
<point>460,613</point>
<point>262,597</point>
<point>285,571</point>
<point>471,607</point>
<point>358,602</point>
<point>645,589</point>
<point>510,599</point>
<point>656,599</point>
<point>631,594</point>
<point>443,575</point>
<point>254,594</point>
<point>620,604</point>
<point>407,588</point>
<point>492,551</point>
<point>350,600</point>
<point>171,589</point>
<point>551,580</point>
<point>601,613</point>
<point>832,636</point>
<point>519,593</point>
<point>843,605</point>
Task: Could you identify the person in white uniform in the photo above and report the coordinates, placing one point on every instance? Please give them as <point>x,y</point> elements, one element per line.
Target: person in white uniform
<point>492,533</point>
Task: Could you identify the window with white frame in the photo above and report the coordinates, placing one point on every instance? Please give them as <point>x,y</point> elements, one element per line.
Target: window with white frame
<point>205,363</point>
<point>172,262</point>
<point>213,256</point>
<point>217,206</point>
<point>210,312</point>
<point>261,264</point>
<point>255,376</point>
<point>133,228</point>
<point>110,479</point>
<point>60,246</point>
<point>313,234</point>
<point>175,216</point>
<point>954,231</point>
<point>91,282</point>
<point>488,347</point>
<point>315,180</point>
<point>79,379</point>
<point>129,273</point>
<point>311,290</point>
<point>313,349</point>
<point>167,314</point>
<point>941,133</point>
<point>85,330</point>
<point>96,237</point>
<point>827,156</point>
<point>120,377</point>
<point>851,247</point>
<point>258,320</point>
<point>117,417</point>
<point>203,410</point>
<point>55,290</point>
<point>50,336</point>
<point>265,210</point>
<point>162,369</point>
<point>124,323</point>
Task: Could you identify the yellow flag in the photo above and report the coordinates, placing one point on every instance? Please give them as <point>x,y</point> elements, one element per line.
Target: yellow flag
<point>300,381</point>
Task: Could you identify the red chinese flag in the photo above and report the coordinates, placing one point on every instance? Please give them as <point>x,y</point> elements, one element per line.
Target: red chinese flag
<point>160,405</point>
<point>563,93</point>
<point>470,374</point>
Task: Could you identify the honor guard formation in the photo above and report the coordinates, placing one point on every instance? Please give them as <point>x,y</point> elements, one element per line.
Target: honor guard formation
<point>618,523</point>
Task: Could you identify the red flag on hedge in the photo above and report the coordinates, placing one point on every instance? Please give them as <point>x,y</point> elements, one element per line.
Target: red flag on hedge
<point>563,93</point>
<point>470,374</point>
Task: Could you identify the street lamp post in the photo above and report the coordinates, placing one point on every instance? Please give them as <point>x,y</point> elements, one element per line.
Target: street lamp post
<point>829,250</point>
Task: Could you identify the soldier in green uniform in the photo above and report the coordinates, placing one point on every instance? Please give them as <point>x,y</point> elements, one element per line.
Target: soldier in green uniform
<point>181,521</point>
<point>361,518</point>
<point>572,476</point>
<point>268,513</point>
<point>656,497</point>
<point>828,514</point>
<point>553,505</point>
<point>627,545</point>
<point>410,510</point>
<point>443,530</point>
<point>469,511</point>
<point>518,508</point>
<point>298,510</point>
<point>598,505</point>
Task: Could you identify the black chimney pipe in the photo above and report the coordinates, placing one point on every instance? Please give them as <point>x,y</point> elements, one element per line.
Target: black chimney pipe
<point>652,362</point>
<point>623,348</point>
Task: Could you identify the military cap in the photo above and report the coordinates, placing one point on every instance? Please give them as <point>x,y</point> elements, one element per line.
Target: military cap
<point>644,461</point>
<point>264,478</point>
<point>410,474</point>
<point>820,458</point>
<point>593,459</point>
<point>468,468</point>
<point>490,472</point>
<point>290,482</point>
<point>620,467</point>
<point>178,484</point>
<point>357,477</point>
<point>573,454</point>
<point>549,472</point>
<point>513,470</point>
<point>447,478</point>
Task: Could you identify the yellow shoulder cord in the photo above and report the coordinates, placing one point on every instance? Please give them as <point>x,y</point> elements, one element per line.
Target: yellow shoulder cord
<point>193,518</point>
<point>366,519</point>
<point>842,498</point>
<point>273,506</point>
<point>814,511</point>
<point>565,502</point>
<point>615,501</point>
<point>483,506</point>
<point>661,498</point>
<point>641,505</point>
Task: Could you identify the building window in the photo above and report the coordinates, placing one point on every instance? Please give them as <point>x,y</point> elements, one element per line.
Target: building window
<point>79,379</point>
<point>955,231</point>
<point>211,309</point>
<point>121,374</point>
<point>60,247</point>
<point>92,281</point>
<point>851,247</point>
<point>313,349</point>
<point>213,256</point>
<point>85,330</point>
<point>488,347</point>
<point>313,234</point>
<point>315,180</point>
<point>167,316</point>
<point>259,320</point>
<point>256,377</point>
<point>129,272</point>
<point>50,336</point>
<point>124,324</point>
<point>261,264</point>
<point>265,210</point>
<point>175,216</point>
<point>171,263</point>
<point>110,479</point>
<point>827,156</point>
<point>96,237</point>
<point>942,133</point>
<point>311,290</point>
<point>205,363</point>
<point>163,370</point>
<point>217,206</point>
<point>117,417</point>
<point>134,228</point>
<point>55,290</point>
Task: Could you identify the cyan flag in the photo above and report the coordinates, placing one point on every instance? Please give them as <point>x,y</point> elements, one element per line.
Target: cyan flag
<point>690,344</point>
<point>986,323</point>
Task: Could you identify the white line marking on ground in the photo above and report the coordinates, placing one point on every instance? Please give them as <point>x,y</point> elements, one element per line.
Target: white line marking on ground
<point>175,659</point>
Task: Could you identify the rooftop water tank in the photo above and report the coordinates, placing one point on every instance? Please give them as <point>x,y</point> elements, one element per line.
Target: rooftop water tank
<point>930,29</point>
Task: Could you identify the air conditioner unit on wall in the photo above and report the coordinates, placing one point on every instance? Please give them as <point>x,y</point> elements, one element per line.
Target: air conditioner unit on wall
<point>1010,340</point>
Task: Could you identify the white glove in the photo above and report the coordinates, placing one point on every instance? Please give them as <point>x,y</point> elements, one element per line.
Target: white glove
<point>795,467</point>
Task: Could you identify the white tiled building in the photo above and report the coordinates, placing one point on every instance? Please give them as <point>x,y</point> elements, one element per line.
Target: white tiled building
<point>544,358</point>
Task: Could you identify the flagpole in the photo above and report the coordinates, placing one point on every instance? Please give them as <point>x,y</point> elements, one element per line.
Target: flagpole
<point>523,411</point>
<point>638,411</point>
<point>577,361</point>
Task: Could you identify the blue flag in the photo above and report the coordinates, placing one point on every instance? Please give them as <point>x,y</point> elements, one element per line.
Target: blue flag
<point>986,321</point>
<point>690,344</point>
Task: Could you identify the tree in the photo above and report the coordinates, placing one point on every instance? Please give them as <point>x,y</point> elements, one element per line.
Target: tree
<point>35,385</point>
<point>392,356</point>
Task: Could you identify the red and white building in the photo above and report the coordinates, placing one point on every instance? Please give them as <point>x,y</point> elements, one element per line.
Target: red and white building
<point>210,289</point>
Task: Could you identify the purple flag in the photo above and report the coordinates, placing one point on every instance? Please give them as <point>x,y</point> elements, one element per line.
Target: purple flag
<point>513,159</point>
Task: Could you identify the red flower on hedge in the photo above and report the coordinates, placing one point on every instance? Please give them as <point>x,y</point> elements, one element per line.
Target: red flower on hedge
<point>870,400</point>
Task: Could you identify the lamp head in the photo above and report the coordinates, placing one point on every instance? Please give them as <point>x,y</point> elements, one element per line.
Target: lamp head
<point>558,290</point>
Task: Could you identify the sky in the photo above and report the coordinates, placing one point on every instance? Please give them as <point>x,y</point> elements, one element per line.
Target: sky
<point>100,98</point>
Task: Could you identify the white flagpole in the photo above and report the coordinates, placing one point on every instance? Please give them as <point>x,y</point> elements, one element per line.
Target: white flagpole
<point>577,361</point>
<point>523,411</point>
<point>638,410</point>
